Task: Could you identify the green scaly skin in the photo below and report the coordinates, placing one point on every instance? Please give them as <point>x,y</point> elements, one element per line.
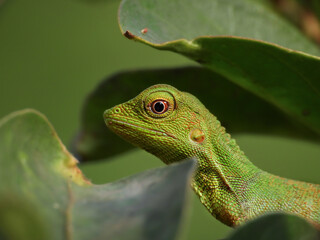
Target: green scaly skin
<point>227,183</point>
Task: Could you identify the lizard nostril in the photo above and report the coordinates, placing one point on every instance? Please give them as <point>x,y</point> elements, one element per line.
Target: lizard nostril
<point>117,110</point>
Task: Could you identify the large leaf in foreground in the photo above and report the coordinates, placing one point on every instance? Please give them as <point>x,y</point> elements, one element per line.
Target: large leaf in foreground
<point>43,194</point>
<point>168,20</point>
<point>237,109</point>
<point>286,78</point>
<point>277,226</point>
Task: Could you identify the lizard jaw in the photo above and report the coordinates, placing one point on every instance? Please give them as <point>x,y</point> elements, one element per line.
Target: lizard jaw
<point>109,121</point>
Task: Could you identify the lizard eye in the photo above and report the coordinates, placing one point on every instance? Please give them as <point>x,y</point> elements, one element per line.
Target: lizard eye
<point>159,106</point>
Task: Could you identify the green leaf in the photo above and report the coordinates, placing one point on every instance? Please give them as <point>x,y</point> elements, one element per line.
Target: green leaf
<point>97,1</point>
<point>237,109</point>
<point>42,191</point>
<point>286,78</point>
<point>171,20</point>
<point>277,226</point>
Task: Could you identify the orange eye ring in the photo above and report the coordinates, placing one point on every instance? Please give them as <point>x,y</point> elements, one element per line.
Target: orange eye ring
<point>159,106</point>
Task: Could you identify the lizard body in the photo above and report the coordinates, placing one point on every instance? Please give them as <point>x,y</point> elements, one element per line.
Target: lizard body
<point>174,125</point>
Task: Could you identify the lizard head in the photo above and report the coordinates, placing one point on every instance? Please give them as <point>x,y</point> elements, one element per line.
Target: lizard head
<point>162,120</point>
<point>175,125</point>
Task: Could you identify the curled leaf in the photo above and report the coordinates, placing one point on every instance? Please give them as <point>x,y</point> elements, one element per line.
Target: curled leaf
<point>42,191</point>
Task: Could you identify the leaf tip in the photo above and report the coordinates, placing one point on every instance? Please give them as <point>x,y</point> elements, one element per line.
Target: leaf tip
<point>129,35</point>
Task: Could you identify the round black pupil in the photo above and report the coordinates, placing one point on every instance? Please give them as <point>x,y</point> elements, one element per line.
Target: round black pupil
<point>159,107</point>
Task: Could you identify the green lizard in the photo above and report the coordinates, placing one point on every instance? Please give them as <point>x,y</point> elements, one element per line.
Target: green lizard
<point>174,125</point>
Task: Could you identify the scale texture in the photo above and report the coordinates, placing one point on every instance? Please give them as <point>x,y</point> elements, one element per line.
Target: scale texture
<point>175,125</point>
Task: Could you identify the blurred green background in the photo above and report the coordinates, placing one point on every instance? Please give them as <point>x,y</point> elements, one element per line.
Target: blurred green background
<point>53,53</point>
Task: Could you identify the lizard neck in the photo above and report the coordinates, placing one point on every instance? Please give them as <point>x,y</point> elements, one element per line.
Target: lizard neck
<point>235,190</point>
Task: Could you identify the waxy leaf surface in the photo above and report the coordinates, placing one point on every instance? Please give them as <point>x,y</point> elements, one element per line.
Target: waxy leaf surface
<point>43,194</point>
<point>277,226</point>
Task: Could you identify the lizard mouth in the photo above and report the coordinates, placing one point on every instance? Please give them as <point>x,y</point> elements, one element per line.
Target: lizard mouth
<point>112,121</point>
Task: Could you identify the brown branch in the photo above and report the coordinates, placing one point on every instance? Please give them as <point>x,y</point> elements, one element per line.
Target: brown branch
<point>302,17</point>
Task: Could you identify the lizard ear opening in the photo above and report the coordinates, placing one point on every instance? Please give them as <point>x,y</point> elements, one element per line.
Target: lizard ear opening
<point>197,135</point>
<point>159,104</point>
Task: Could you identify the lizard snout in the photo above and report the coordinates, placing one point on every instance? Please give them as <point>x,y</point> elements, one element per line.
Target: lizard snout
<point>111,112</point>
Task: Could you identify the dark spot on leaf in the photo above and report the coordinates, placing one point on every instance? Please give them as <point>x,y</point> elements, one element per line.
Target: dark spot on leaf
<point>129,35</point>
<point>306,112</point>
